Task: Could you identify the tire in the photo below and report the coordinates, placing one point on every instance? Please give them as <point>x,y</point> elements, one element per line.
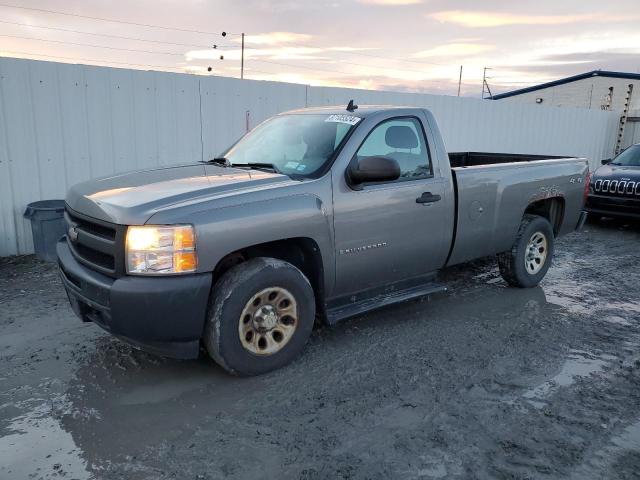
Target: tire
<point>237,307</point>
<point>516,267</point>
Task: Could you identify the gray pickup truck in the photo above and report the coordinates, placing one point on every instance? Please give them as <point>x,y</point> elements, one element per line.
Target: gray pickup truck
<point>316,214</point>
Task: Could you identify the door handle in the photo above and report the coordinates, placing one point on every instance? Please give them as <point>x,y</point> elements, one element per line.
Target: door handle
<point>428,197</point>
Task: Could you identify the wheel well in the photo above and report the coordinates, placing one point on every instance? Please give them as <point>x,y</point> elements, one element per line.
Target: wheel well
<point>550,208</point>
<point>303,253</point>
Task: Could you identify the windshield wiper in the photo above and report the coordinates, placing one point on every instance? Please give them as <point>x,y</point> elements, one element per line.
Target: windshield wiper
<point>258,166</point>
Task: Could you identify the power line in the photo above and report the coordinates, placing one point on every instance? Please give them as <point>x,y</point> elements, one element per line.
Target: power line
<point>178,29</point>
<point>15,52</point>
<point>164,42</point>
<point>77,59</point>
<point>125,22</point>
<point>146,51</point>
<point>121,37</point>
<point>155,52</point>
<point>93,46</point>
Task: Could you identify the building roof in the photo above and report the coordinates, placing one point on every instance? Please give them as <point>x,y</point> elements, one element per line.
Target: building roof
<point>562,81</point>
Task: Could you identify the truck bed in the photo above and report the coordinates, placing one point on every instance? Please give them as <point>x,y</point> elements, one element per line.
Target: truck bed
<point>472,159</point>
<point>491,200</point>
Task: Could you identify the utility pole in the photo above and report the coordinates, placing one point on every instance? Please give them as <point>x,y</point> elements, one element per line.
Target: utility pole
<point>485,85</point>
<point>460,80</point>
<point>224,34</point>
<point>242,59</point>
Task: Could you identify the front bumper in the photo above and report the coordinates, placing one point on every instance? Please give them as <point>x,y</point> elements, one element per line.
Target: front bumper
<point>162,315</point>
<point>613,206</point>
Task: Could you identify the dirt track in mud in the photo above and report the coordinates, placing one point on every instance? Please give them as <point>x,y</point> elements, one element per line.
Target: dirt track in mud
<point>485,381</point>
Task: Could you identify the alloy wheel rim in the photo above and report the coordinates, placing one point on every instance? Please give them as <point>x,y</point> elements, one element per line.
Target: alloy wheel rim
<point>268,321</point>
<point>536,253</point>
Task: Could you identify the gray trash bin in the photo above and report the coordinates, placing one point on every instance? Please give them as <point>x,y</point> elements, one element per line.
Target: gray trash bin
<point>47,226</point>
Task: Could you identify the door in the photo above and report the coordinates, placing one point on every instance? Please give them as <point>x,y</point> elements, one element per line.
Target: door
<point>391,231</point>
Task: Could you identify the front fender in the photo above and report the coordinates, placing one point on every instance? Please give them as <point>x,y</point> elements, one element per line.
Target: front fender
<point>224,230</point>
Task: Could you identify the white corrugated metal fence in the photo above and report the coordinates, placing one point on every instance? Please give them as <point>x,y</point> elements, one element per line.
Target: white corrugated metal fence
<point>61,124</point>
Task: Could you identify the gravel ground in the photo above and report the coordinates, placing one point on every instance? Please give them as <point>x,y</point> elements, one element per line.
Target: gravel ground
<point>483,382</point>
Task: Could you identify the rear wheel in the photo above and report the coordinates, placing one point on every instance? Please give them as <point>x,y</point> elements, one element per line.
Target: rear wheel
<point>526,264</point>
<point>260,316</point>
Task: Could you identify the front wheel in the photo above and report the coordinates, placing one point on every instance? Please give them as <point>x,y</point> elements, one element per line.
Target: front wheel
<point>261,314</point>
<point>527,262</point>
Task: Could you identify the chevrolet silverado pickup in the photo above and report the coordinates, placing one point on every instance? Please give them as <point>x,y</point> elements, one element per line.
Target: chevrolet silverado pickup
<point>318,213</point>
<point>615,187</point>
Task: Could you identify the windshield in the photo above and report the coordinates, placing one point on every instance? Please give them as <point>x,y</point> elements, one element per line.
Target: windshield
<point>629,158</point>
<point>297,144</point>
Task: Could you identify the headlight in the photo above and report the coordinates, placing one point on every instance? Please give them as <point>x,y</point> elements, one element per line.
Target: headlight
<point>156,250</point>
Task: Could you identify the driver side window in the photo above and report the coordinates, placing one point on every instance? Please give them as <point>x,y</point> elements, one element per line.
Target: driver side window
<point>401,139</point>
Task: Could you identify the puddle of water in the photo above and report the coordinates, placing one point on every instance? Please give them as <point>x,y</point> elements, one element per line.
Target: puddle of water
<point>602,460</point>
<point>618,320</point>
<point>160,392</point>
<point>579,364</point>
<point>39,448</point>
<point>572,303</point>
<point>434,467</point>
<point>630,438</point>
<point>631,308</point>
<point>437,471</point>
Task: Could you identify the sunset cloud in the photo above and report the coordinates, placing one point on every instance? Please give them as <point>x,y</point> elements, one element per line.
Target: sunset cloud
<point>275,38</point>
<point>280,53</point>
<point>390,2</point>
<point>499,19</point>
<point>349,49</point>
<point>454,49</point>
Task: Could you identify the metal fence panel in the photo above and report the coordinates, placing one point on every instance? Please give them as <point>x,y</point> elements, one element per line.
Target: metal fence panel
<point>61,124</point>
<point>485,126</point>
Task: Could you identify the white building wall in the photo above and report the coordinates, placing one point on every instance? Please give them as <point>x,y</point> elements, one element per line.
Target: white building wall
<point>589,92</point>
<point>632,129</point>
<point>61,124</point>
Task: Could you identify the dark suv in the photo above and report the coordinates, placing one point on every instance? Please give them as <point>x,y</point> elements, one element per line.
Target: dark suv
<point>615,187</point>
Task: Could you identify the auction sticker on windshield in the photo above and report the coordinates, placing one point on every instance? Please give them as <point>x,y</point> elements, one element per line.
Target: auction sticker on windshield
<point>349,119</point>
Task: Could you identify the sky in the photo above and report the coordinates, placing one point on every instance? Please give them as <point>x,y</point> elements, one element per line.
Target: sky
<point>400,45</point>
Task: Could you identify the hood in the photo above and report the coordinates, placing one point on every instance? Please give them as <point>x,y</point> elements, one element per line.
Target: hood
<point>617,172</point>
<point>131,198</point>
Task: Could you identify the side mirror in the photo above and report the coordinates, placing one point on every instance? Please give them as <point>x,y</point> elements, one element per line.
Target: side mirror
<point>606,161</point>
<point>374,169</point>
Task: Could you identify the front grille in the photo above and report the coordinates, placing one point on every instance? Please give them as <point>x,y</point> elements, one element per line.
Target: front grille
<point>104,260</point>
<point>95,243</point>
<point>620,188</point>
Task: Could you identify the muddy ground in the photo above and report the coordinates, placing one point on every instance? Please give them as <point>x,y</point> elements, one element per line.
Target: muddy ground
<point>482,382</point>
